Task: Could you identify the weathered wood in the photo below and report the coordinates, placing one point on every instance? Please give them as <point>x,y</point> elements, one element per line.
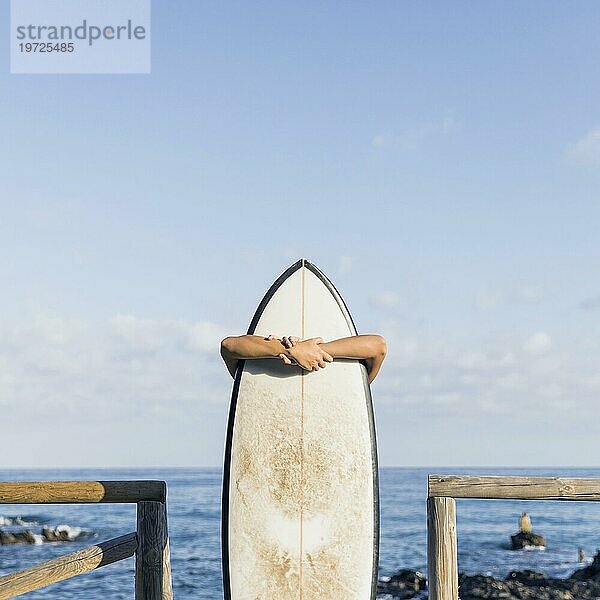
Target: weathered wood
<point>153,563</point>
<point>67,566</point>
<point>442,561</point>
<point>75,492</point>
<point>512,487</point>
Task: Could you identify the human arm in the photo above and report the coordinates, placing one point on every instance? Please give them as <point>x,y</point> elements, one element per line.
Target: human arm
<point>307,354</point>
<point>242,347</point>
<point>370,348</point>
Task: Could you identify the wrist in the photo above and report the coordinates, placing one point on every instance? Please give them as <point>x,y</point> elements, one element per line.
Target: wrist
<point>276,348</point>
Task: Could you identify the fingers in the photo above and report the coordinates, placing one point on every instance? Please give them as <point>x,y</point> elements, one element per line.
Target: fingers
<point>285,359</point>
<point>289,341</point>
<point>327,357</point>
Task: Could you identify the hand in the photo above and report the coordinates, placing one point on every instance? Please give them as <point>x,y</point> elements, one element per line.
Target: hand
<point>307,354</point>
<point>289,341</point>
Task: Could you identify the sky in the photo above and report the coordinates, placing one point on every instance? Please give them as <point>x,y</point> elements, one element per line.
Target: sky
<point>439,161</point>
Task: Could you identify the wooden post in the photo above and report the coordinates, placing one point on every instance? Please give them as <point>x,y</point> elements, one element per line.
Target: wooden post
<point>153,563</point>
<point>442,560</point>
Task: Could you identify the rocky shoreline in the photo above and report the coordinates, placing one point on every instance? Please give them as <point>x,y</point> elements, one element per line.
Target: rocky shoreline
<point>61,533</point>
<point>583,584</point>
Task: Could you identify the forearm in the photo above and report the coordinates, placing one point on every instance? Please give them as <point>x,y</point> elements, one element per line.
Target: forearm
<point>251,346</point>
<point>371,348</point>
<point>357,346</point>
<point>234,349</point>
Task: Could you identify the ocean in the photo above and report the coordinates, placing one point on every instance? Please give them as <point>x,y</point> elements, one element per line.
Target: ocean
<point>194,496</point>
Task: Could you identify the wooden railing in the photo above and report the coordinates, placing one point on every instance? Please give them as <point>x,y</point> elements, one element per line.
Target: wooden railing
<point>442,562</point>
<point>149,543</point>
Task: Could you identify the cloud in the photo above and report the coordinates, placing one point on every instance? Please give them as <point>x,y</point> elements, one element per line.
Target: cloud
<point>382,140</point>
<point>486,300</point>
<point>538,343</point>
<point>385,300</point>
<point>527,294</point>
<point>523,294</point>
<point>57,366</point>
<point>536,376</point>
<point>410,139</point>
<point>346,264</point>
<point>60,372</point>
<point>586,150</point>
<point>150,335</point>
<point>592,303</point>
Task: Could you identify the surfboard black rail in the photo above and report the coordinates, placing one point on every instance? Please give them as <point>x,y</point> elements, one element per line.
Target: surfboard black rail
<point>149,543</point>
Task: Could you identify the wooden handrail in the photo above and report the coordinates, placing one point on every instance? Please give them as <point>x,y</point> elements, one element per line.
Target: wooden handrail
<point>511,487</point>
<point>65,567</point>
<point>441,513</point>
<point>150,543</point>
<point>81,492</point>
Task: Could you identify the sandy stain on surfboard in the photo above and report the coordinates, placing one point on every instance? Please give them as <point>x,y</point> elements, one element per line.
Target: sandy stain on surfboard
<point>269,453</point>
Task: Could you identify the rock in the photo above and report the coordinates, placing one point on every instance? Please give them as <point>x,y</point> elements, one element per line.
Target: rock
<point>406,583</point>
<point>20,537</point>
<point>522,540</point>
<point>62,533</point>
<point>590,572</point>
<point>525,585</point>
<point>55,535</point>
<point>7,538</point>
<point>584,584</point>
<point>483,586</point>
<point>527,577</point>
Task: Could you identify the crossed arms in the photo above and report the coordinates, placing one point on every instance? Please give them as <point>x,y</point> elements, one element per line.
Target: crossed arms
<point>311,355</point>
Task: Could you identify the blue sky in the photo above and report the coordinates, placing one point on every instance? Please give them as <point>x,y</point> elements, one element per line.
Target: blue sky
<point>439,161</point>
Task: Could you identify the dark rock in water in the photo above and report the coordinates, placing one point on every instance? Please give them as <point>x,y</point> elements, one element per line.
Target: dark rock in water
<point>56,535</point>
<point>20,537</point>
<point>522,539</point>
<point>62,533</point>
<point>7,538</point>
<point>403,584</point>
<point>527,577</point>
<point>590,572</point>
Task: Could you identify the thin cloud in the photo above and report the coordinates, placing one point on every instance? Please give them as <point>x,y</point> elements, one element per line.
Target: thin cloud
<point>410,139</point>
<point>385,300</point>
<point>346,264</point>
<point>56,365</point>
<point>538,343</point>
<point>591,303</point>
<point>524,294</point>
<point>586,150</point>
<point>536,375</point>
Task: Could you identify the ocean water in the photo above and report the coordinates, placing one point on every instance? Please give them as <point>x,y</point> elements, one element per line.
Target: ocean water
<point>194,496</point>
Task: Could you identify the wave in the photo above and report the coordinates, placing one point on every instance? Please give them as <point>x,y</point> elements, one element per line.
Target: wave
<point>71,532</point>
<point>64,533</point>
<point>22,521</point>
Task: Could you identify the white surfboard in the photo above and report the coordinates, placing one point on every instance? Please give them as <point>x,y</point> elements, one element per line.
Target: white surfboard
<point>300,491</point>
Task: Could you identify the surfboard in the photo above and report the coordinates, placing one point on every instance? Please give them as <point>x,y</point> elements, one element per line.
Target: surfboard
<point>300,514</point>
